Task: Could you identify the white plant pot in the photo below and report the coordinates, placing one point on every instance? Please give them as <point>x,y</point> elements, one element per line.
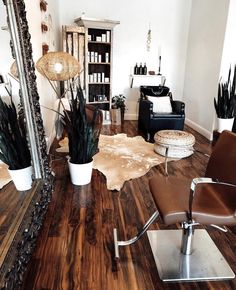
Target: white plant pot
<point>80,174</point>
<point>22,178</point>
<point>225,124</point>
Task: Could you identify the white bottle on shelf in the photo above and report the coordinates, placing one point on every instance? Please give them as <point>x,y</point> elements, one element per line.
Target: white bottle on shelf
<point>103,77</point>
<point>108,34</point>
<point>104,37</point>
<point>95,56</point>
<point>91,78</point>
<point>92,56</point>
<point>107,57</point>
<point>99,77</point>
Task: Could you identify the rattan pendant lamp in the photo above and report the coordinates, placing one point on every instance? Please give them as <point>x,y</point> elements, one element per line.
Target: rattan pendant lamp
<point>58,66</point>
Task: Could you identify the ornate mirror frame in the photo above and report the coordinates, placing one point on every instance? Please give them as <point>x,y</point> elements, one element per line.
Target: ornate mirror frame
<point>14,259</point>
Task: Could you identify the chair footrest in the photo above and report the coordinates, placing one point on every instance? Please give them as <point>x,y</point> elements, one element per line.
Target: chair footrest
<point>205,263</point>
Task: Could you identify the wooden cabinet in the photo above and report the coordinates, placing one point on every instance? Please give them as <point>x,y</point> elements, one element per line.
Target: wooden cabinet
<point>98,60</point>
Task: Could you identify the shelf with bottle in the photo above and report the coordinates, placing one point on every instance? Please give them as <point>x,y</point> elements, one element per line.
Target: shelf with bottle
<point>99,35</point>
<point>98,56</point>
<point>99,42</point>
<point>99,99</point>
<point>141,69</point>
<point>98,77</point>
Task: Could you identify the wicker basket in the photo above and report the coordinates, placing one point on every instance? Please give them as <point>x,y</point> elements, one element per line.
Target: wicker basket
<point>180,143</point>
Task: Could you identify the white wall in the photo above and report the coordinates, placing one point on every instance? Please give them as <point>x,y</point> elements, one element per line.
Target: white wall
<point>169,20</point>
<point>51,18</point>
<point>205,44</point>
<point>5,52</point>
<point>190,33</point>
<point>6,59</point>
<point>229,50</point>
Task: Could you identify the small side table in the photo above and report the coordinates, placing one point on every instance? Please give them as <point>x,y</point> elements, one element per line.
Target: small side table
<point>173,144</point>
<point>180,143</point>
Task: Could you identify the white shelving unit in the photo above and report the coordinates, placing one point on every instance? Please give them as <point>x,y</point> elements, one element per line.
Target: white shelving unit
<point>98,60</point>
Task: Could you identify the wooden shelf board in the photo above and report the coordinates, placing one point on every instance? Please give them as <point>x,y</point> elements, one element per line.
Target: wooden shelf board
<point>106,63</point>
<point>99,83</point>
<point>99,42</point>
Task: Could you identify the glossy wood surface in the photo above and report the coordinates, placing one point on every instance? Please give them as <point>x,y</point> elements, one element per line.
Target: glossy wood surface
<point>10,203</point>
<point>75,248</point>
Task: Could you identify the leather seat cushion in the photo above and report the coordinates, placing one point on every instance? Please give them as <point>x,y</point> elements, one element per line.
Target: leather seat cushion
<point>213,204</point>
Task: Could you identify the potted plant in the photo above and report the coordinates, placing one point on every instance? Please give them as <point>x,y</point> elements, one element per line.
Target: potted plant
<point>83,125</point>
<point>14,150</point>
<point>225,105</point>
<point>118,109</point>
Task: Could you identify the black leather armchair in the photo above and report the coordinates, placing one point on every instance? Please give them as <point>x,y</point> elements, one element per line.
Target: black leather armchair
<point>150,122</point>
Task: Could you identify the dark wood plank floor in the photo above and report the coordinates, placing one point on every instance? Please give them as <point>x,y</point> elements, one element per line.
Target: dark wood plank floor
<point>75,247</point>
<point>11,201</point>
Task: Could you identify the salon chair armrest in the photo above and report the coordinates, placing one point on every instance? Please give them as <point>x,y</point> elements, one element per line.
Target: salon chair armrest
<point>178,107</point>
<point>146,107</point>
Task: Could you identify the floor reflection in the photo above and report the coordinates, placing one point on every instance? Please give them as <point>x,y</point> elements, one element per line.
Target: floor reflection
<point>10,203</point>
<point>4,175</point>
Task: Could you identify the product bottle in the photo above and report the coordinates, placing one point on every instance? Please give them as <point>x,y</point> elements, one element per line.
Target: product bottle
<point>144,69</point>
<point>136,69</point>
<point>140,69</point>
<point>2,80</point>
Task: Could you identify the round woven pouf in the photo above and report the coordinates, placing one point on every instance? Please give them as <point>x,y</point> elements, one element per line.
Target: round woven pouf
<point>180,143</point>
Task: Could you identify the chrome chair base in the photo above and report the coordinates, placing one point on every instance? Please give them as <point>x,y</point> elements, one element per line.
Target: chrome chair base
<point>205,263</point>
<point>119,243</point>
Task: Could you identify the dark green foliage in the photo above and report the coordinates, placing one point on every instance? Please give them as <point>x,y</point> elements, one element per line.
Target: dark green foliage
<point>83,131</point>
<point>118,102</point>
<point>225,105</point>
<point>14,149</point>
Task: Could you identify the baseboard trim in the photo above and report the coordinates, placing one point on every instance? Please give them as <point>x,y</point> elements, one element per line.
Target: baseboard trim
<point>131,117</point>
<point>199,129</point>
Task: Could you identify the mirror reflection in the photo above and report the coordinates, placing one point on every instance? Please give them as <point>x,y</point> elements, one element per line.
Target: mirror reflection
<point>14,150</point>
<point>25,176</point>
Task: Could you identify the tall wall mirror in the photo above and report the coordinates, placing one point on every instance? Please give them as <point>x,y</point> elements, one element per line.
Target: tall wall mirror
<point>21,211</point>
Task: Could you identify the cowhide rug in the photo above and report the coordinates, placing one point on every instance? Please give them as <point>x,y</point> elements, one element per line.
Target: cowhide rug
<point>122,158</point>
<point>4,175</point>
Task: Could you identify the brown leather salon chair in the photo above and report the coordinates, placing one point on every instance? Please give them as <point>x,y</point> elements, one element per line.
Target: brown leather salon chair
<point>210,201</point>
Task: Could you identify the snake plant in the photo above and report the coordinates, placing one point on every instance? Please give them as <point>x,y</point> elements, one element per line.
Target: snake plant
<point>83,124</point>
<point>14,150</point>
<point>225,105</point>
